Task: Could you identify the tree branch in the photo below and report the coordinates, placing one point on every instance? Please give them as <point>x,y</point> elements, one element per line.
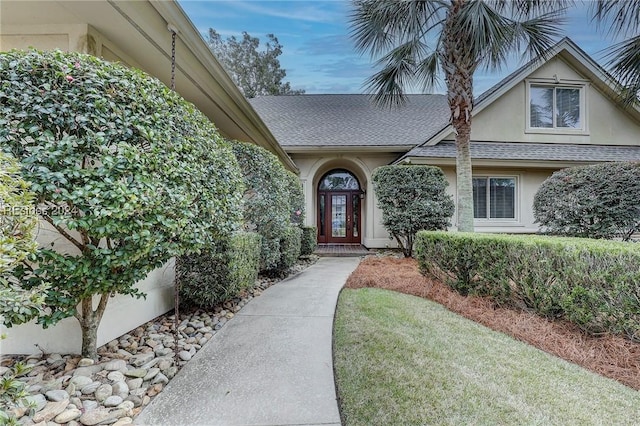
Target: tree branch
<point>64,233</point>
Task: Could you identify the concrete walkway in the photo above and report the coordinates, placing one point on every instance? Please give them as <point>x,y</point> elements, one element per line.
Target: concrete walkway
<point>269,365</point>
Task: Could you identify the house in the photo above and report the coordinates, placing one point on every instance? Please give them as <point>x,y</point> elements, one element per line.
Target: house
<point>549,114</point>
<point>134,33</point>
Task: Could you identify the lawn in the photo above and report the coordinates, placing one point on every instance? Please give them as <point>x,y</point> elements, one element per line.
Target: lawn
<point>404,360</point>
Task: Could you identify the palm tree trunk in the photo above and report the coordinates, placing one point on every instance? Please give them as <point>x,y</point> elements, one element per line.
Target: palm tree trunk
<point>458,67</point>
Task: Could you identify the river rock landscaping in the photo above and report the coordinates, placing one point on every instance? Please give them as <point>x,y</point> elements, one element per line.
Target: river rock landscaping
<point>131,370</point>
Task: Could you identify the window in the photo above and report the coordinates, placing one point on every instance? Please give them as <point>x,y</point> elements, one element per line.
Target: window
<point>494,197</point>
<point>556,107</point>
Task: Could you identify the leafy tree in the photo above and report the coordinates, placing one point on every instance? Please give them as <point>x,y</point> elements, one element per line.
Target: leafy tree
<point>412,198</point>
<point>598,201</point>
<point>623,58</point>
<point>127,172</point>
<point>18,220</point>
<point>413,41</point>
<point>256,72</point>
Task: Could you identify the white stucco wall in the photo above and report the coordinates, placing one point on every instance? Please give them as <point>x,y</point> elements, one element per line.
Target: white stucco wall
<point>123,313</point>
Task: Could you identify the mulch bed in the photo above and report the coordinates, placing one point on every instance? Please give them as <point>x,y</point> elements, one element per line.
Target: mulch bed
<point>611,356</point>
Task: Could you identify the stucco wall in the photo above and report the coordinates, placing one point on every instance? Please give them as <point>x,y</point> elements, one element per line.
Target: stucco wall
<point>528,182</point>
<point>314,166</point>
<point>123,313</point>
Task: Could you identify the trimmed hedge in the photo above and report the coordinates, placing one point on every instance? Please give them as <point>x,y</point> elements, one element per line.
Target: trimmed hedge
<point>212,277</point>
<point>309,241</point>
<point>296,199</point>
<point>289,249</point>
<point>597,201</point>
<point>592,283</point>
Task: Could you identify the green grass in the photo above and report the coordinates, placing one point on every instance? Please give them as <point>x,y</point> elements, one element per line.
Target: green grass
<point>403,360</point>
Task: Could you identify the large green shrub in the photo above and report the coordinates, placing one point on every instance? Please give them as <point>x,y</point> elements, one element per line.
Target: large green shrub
<point>266,199</point>
<point>309,241</point>
<point>296,199</point>
<point>289,249</point>
<point>18,220</point>
<point>129,174</point>
<point>412,198</point>
<point>221,272</point>
<point>598,201</point>
<point>592,283</point>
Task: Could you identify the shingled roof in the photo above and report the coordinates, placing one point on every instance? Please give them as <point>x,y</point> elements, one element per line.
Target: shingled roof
<point>351,120</point>
<point>532,151</point>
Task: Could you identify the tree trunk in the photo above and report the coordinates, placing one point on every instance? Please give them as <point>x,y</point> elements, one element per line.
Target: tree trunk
<point>459,66</point>
<point>89,322</point>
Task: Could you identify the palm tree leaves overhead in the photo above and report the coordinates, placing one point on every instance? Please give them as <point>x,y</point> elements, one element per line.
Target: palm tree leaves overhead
<point>623,58</point>
<point>406,37</point>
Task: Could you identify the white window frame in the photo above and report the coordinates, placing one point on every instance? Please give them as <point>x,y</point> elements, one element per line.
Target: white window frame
<point>572,84</point>
<point>516,201</point>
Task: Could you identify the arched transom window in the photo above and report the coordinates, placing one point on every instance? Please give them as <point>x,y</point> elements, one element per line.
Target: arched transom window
<point>339,180</point>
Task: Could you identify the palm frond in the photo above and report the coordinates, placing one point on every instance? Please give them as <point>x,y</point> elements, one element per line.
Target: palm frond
<point>527,9</point>
<point>621,16</point>
<point>427,72</point>
<point>624,63</point>
<point>540,33</point>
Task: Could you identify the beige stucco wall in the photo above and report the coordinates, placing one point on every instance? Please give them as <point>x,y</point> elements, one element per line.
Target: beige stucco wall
<point>505,119</point>
<point>361,164</point>
<point>123,313</point>
<point>527,183</point>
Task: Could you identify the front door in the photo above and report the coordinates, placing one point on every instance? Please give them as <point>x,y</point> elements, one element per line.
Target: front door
<point>339,209</point>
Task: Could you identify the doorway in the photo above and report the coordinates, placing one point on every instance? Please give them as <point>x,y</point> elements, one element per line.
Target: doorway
<point>339,202</point>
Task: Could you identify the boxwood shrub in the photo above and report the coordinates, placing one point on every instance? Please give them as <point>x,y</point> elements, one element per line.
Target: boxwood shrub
<point>309,240</point>
<point>597,201</point>
<point>289,249</point>
<point>266,199</point>
<point>219,274</point>
<point>592,283</point>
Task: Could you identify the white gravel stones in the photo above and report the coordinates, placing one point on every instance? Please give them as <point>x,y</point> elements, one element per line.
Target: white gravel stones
<point>72,391</point>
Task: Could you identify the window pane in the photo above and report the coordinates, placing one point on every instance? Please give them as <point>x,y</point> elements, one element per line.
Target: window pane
<point>339,179</point>
<point>502,193</point>
<point>541,106</point>
<point>356,213</point>
<point>568,108</point>
<point>338,215</point>
<point>322,214</point>
<point>480,198</point>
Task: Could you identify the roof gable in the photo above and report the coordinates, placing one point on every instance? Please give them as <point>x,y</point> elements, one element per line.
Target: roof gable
<point>565,50</point>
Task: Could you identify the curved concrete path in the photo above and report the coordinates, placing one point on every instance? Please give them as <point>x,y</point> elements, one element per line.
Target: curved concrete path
<point>269,365</point>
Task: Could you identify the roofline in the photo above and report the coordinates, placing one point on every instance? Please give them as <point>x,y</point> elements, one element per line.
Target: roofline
<point>173,13</point>
<point>512,164</point>
<point>347,148</point>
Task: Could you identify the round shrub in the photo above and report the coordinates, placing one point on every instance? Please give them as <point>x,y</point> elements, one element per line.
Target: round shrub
<point>597,201</point>
<point>128,173</point>
<point>412,198</point>
<point>266,199</point>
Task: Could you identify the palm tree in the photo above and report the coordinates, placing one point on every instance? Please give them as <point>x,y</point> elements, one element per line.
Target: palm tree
<point>623,58</point>
<point>415,41</point>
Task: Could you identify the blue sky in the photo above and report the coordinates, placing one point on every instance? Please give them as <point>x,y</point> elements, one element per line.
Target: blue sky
<point>318,55</point>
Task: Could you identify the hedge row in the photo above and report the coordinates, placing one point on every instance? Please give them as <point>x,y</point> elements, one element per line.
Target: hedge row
<point>309,241</point>
<point>592,283</point>
<point>219,274</point>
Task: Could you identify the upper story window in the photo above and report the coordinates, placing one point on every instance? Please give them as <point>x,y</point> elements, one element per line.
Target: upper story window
<point>556,107</point>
